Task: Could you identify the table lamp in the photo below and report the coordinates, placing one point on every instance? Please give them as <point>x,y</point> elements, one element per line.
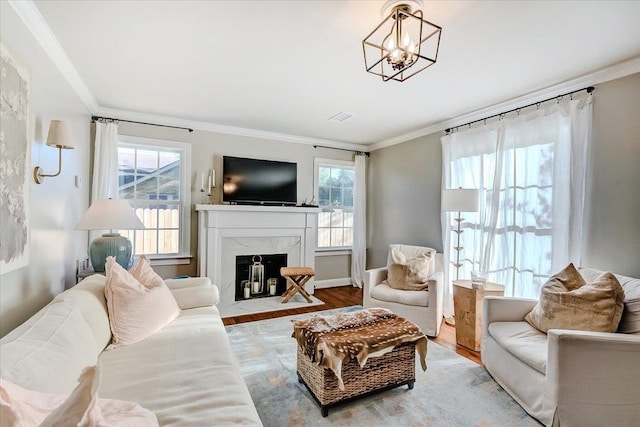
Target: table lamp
<point>110,214</point>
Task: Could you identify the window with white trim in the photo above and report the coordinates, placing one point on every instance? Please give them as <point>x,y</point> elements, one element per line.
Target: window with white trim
<point>334,180</point>
<point>153,176</point>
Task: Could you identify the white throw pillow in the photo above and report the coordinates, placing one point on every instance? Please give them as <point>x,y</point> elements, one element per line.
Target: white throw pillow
<point>136,310</point>
<point>421,266</point>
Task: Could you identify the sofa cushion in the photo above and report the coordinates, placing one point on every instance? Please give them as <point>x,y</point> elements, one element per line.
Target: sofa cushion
<point>523,341</point>
<point>49,353</point>
<point>191,379</point>
<point>135,310</point>
<point>384,292</point>
<point>568,302</point>
<point>88,297</point>
<point>630,321</point>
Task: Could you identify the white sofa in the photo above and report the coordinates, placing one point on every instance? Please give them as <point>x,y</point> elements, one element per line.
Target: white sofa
<point>186,373</point>
<point>566,378</point>
<point>424,308</point>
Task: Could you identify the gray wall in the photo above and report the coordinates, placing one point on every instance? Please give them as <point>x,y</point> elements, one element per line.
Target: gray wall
<point>56,205</point>
<point>329,267</point>
<point>612,214</point>
<point>404,183</point>
<point>207,149</point>
<point>403,197</point>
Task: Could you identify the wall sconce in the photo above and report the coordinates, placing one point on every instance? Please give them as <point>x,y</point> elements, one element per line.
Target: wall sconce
<point>60,137</point>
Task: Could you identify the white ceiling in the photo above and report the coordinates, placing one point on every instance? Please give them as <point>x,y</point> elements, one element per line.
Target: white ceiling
<point>288,66</point>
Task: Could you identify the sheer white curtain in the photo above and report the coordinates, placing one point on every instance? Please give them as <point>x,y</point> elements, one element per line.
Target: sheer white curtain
<point>104,183</point>
<point>530,171</point>
<point>359,247</point>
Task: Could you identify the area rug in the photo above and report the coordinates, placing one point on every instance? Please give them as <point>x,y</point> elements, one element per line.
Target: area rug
<point>263,305</point>
<point>454,391</point>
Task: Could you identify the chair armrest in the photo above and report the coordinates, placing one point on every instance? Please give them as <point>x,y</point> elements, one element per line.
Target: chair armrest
<point>594,376</point>
<point>504,309</point>
<point>193,292</point>
<point>188,282</point>
<point>374,277</point>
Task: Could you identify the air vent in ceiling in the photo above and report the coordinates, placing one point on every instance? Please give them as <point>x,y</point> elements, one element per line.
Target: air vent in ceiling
<point>341,117</point>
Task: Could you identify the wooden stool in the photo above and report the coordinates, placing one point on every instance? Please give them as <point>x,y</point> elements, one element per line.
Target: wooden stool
<point>296,279</point>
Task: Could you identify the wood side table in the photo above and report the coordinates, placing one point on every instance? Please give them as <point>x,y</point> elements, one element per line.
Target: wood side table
<point>467,303</point>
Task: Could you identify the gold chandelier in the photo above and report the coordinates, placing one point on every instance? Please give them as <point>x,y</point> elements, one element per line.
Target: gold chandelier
<point>403,44</point>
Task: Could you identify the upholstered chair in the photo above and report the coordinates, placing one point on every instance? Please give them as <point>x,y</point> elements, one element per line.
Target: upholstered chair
<point>422,307</point>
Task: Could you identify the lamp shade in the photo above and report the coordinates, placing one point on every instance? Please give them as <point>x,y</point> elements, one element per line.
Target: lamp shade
<point>60,135</point>
<point>110,214</point>
<point>460,200</point>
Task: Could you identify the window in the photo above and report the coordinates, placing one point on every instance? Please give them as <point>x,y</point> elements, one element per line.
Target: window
<point>530,173</point>
<point>334,192</point>
<point>153,178</point>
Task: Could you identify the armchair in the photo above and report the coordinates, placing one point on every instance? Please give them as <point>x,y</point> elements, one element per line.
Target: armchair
<point>566,377</point>
<point>424,308</point>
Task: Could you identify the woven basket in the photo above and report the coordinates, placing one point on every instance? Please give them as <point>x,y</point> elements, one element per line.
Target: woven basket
<point>394,369</point>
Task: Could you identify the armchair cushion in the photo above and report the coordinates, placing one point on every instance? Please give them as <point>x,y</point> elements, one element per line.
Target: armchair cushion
<point>401,277</point>
<point>630,321</point>
<point>383,292</point>
<point>421,265</point>
<point>567,301</point>
<point>523,341</point>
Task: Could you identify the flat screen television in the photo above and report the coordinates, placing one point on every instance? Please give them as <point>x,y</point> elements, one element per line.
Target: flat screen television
<point>259,182</point>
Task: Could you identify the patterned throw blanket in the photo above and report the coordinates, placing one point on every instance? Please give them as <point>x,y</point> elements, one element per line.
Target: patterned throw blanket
<point>331,340</point>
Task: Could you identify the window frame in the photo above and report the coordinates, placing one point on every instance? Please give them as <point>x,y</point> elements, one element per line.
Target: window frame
<point>184,149</point>
<point>319,162</point>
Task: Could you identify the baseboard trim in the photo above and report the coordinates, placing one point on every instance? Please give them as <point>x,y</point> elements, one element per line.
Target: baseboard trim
<point>331,283</point>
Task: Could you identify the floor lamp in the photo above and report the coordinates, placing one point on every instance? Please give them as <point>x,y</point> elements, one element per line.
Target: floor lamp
<point>459,200</point>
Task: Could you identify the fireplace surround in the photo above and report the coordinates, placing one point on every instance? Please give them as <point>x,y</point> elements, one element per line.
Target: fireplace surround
<point>227,233</point>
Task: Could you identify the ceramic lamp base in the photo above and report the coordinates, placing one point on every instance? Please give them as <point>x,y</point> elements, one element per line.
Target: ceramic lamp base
<point>110,244</point>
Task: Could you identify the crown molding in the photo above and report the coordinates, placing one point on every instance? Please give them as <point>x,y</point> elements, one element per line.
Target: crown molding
<point>34,21</point>
<point>224,129</point>
<point>616,71</point>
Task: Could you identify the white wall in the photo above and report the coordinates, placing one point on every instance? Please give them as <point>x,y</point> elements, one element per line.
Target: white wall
<point>207,149</point>
<point>56,205</point>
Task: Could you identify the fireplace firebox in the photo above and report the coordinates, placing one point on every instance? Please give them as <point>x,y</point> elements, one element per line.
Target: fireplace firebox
<point>271,264</point>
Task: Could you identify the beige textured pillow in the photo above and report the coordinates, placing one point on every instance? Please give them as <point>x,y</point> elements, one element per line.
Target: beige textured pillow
<point>568,302</point>
<point>399,276</point>
<point>420,267</point>
<point>136,310</point>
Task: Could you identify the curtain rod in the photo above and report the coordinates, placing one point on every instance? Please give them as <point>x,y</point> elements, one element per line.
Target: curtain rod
<point>589,90</point>
<point>366,153</point>
<point>97,118</point>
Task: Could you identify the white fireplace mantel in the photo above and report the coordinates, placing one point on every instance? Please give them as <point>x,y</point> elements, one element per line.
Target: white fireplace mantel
<point>227,231</point>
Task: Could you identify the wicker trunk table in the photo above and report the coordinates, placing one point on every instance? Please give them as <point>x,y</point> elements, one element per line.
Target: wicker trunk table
<point>392,369</point>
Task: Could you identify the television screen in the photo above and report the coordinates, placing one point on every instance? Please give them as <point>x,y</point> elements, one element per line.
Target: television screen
<point>259,182</point>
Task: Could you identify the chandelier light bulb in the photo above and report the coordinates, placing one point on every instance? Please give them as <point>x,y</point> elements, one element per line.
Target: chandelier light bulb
<point>391,44</point>
<point>406,41</point>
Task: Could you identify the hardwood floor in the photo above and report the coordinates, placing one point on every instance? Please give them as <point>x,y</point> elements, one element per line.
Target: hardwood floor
<point>338,297</point>
<point>345,296</point>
